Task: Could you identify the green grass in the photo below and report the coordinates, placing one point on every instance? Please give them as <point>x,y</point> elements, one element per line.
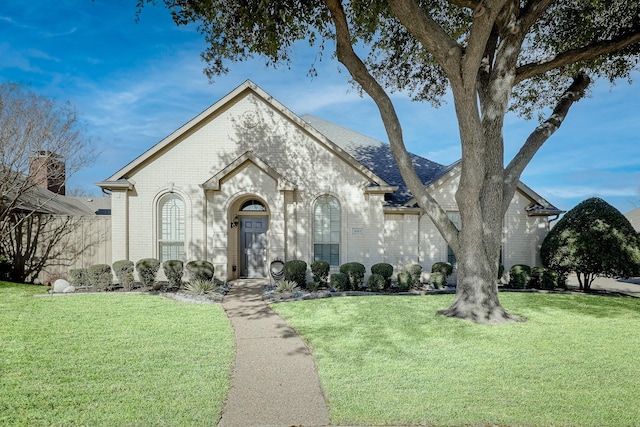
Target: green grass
<point>111,360</point>
<point>391,361</point>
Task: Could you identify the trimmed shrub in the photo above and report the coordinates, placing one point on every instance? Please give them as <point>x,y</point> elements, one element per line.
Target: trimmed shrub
<point>355,273</point>
<point>320,273</point>
<point>296,271</point>
<point>519,275</point>
<point>100,276</point>
<point>200,270</point>
<point>173,269</point>
<point>405,281</point>
<point>79,277</point>
<point>385,270</point>
<point>442,267</point>
<point>124,272</point>
<point>376,282</point>
<point>535,280</point>
<point>592,239</point>
<point>147,269</point>
<point>549,279</point>
<point>415,270</point>
<point>340,282</point>
<point>438,280</point>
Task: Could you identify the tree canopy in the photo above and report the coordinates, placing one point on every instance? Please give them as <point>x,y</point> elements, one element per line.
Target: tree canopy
<point>593,239</point>
<point>491,55</point>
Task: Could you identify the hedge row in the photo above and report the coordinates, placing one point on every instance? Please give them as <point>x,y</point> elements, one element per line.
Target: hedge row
<point>100,276</point>
<point>351,276</point>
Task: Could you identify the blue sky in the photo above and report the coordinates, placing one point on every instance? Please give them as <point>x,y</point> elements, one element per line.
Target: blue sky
<point>133,83</point>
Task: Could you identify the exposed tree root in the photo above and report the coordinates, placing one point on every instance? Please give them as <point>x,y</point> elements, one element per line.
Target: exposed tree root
<point>494,315</point>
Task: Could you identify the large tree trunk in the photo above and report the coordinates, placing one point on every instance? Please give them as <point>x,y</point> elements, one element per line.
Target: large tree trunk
<point>477,286</point>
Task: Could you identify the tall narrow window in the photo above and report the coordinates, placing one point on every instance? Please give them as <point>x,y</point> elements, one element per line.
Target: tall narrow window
<point>326,230</point>
<point>171,227</point>
<point>451,257</point>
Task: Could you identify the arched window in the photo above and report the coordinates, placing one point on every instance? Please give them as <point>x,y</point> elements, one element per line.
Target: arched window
<point>253,206</point>
<point>171,227</point>
<point>326,230</point>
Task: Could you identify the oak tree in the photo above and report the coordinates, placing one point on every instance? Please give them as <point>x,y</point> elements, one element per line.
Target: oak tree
<point>492,55</point>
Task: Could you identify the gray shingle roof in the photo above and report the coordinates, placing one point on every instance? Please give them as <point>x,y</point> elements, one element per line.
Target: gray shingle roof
<point>377,157</point>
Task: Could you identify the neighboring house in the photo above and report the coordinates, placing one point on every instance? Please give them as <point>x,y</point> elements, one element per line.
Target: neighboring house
<point>79,227</point>
<point>634,218</point>
<point>247,182</point>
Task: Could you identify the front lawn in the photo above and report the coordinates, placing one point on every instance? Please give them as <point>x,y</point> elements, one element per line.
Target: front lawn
<point>388,360</point>
<point>111,360</point>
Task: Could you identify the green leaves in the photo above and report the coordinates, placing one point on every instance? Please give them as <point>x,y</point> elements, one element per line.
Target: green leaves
<point>593,238</point>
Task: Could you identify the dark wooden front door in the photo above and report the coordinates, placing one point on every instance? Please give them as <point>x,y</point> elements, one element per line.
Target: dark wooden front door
<point>253,247</point>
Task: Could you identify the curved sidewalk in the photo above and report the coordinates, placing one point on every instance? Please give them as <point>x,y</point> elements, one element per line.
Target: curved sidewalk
<point>274,380</point>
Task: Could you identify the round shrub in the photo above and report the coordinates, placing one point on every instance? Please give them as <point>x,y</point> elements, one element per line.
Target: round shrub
<point>592,239</point>
<point>415,270</point>
<point>549,279</point>
<point>405,281</point>
<point>320,273</point>
<point>442,267</point>
<point>200,270</point>
<point>100,276</point>
<point>296,271</point>
<point>376,282</point>
<point>355,273</point>
<point>173,270</point>
<point>438,280</point>
<point>124,272</point>
<point>385,270</point>
<point>340,282</point>
<point>535,280</point>
<point>519,275</point>
<point>79,277</point>
<point>147,269</point>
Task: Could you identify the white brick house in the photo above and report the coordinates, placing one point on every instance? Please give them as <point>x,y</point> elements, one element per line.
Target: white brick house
<point>247,182</point>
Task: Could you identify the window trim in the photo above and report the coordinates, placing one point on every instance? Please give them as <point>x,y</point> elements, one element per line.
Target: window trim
<point>327,199</point>
<point>162,200</point>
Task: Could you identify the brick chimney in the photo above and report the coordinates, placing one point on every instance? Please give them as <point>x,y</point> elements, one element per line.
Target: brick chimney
<point>47,170</point>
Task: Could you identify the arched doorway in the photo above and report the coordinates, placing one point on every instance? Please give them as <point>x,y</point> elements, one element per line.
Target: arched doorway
<point>253,224</point>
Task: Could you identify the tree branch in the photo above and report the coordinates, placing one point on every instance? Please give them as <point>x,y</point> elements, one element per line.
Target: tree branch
<point>360,73</point>
<point>469,4</point>
<point>541,134</point>
<point>433,38</point>
<point>576,55</point>
<point>531,12</point>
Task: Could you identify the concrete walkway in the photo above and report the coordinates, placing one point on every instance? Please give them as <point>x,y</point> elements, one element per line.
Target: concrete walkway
<point>274,381</point>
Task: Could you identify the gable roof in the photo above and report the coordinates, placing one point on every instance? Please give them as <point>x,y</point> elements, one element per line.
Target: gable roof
<point>119,179</point>
<point>371,157</point>
<point>213,183</point>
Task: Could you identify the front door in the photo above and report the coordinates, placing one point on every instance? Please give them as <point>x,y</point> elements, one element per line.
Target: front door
<point>253,247</point>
